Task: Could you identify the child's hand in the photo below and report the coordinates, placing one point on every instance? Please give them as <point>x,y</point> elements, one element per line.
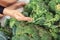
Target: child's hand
<point>16,14</point>
<point>1,15</point>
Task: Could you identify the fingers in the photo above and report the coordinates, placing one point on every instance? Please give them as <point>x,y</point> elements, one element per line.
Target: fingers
<point>22,18</point>
<point>16,14</point>
<point>20,14</point>
<point>28,19</point>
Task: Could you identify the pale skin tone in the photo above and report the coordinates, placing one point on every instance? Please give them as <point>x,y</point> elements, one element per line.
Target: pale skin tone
<point>11,10</point>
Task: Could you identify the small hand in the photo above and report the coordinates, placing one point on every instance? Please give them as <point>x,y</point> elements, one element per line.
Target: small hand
<point>16,14</point>
<point>14,6</point>
<point>1,15</point>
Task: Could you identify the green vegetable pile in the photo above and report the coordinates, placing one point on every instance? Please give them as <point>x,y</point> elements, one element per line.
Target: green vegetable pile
<point>45,24</point>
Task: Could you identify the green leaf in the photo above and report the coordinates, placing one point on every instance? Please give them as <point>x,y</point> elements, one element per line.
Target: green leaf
<point>12,22</point>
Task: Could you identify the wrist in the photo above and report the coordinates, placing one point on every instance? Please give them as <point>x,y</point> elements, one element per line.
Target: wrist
<point>5,11</point>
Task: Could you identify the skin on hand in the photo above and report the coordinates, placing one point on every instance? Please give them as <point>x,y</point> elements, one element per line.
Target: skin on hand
<point>13,6</point>
<point>16,14</point>
<point>5,3</point>
<point>1,15</point>
<point>10,11</point>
